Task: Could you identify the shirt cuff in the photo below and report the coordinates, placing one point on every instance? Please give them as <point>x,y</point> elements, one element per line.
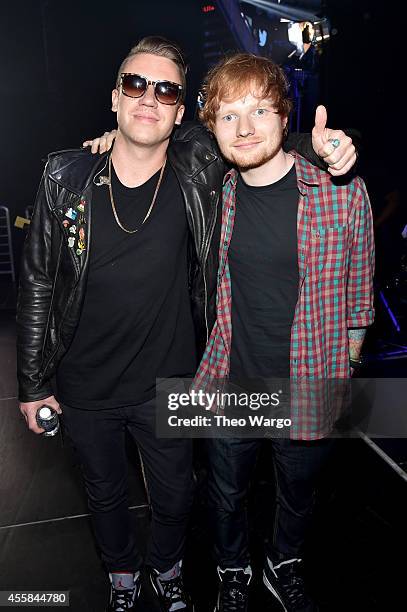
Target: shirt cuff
<point>361,319</point>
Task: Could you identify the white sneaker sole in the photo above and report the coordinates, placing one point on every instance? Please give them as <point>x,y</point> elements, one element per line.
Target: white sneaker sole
<point>272,590</point>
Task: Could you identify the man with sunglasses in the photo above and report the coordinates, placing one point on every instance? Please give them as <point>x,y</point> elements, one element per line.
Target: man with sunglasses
<point>118,287</point>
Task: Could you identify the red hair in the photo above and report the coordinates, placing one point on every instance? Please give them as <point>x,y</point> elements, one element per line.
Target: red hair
<point>235,76</point>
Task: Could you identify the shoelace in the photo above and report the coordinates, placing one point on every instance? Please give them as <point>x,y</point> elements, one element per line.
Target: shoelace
<point>173,590</point>
<point>122,599</point>
<point>295,588</point>
<point>234,595</point>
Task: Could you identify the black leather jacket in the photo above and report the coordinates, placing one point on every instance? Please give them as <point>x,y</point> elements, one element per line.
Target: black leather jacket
<point>53,275</point>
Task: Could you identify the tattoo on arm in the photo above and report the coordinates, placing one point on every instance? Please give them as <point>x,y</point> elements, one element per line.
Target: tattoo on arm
<point>356,337</point>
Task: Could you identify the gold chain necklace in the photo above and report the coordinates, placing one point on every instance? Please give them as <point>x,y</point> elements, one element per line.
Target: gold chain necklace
<point>151,205</point>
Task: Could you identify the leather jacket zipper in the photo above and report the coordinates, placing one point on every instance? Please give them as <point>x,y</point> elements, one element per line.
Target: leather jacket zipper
<point>210,235</point>
<point>206,307</point>
<point>77,268</point>
<point>53,291</point>
<point>55,351</point>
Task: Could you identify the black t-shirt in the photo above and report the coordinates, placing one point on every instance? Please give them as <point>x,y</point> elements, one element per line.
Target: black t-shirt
<point>264,275</point>
<point>136,323</point>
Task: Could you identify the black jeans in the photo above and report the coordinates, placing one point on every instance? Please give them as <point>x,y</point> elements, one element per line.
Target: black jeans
<point>231,462</point>
<point>99,438</point>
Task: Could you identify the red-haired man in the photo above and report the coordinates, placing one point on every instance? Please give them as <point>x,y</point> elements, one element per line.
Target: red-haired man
<point>294,299</point>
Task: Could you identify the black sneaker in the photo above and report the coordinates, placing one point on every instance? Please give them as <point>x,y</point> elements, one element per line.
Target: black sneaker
<point>171,593</point>
<point>233,595</point>
<point>286,584</point>
<point>124,599</point>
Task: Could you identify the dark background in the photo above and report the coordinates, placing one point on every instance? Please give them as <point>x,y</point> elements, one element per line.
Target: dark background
<point>59,61</point>
<point>363,71</point>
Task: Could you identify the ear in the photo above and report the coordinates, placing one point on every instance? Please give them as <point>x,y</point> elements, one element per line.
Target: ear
<point>115,100</point>
<point>284,122</point>
<point>180,114</point>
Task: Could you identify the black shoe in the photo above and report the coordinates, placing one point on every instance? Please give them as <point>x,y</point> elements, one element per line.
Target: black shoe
<point>124,599</point>
<point>171,593</point>
<point>286,584</point>
<point>233,595</point>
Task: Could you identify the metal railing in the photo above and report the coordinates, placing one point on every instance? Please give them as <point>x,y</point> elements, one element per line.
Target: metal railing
<point>6,247</point>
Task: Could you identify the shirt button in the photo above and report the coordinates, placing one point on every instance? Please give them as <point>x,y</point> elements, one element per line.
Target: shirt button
<point>212,193</point>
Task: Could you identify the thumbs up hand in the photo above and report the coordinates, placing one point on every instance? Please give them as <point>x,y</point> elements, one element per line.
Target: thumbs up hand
<point>335,148</point>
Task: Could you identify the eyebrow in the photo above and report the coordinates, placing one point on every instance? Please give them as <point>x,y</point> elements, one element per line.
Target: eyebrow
<point>260,103</point>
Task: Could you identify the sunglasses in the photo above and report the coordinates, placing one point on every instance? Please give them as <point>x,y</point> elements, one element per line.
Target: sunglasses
<point>135,86</point>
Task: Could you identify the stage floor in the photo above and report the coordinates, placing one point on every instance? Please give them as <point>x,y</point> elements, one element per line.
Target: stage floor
<point>354,549</point>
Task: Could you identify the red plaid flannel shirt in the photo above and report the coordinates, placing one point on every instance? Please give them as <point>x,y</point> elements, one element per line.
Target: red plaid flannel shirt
<point>336,266</point>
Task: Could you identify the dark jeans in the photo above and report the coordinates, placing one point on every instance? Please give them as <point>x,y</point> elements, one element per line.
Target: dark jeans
<point>231,462</point>
<point>99,438</point>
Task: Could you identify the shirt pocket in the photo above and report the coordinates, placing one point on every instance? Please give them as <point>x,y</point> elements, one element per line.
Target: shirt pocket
<point>328,253</point>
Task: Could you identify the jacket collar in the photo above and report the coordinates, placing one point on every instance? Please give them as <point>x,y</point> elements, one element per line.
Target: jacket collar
<point>74,169</point>
<point>192,149</point>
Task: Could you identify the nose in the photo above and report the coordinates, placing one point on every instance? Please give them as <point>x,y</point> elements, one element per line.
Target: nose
<point>245,127</point>
<point>148,98</point>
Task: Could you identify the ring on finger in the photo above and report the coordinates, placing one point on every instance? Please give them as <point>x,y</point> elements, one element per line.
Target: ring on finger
<point>335,142</point>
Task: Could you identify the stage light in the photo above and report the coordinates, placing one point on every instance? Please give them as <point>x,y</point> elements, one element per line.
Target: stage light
<point>285,11</point>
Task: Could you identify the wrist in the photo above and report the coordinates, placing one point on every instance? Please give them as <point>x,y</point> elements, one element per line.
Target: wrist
<point>356,362</point>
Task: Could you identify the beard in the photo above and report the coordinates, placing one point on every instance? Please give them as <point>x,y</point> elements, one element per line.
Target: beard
<point>248,161</point>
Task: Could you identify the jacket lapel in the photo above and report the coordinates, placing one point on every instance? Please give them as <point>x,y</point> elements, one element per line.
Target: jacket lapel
<point>74,216</point>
